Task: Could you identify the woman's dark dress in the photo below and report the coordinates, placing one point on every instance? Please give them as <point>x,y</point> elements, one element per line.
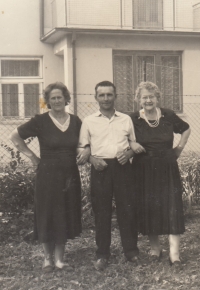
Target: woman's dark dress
<point>157,177</point>
<point>58,191</point>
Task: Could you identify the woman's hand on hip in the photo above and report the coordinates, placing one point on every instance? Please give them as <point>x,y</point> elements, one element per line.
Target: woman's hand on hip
<point>35,160</point>
<point>178,151</point>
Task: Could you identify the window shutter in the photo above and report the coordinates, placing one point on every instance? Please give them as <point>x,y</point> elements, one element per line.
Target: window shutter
<point>170,82</point>
<point>10,100</point>
<point>31,99</point>
<point>123,79</point>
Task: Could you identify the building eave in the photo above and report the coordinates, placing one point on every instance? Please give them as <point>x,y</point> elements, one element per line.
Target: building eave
<point>58,33</point>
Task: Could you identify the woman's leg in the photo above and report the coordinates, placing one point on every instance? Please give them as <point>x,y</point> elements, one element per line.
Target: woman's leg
<point>174,243</point>
<point>58,256</point>
<point>155,245</point>
<point>48,249</point>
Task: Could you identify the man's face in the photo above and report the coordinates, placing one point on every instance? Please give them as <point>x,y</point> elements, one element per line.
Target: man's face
<point>105,96</point>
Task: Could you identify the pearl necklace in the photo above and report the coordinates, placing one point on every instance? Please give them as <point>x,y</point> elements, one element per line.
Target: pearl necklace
<point>155,123</point>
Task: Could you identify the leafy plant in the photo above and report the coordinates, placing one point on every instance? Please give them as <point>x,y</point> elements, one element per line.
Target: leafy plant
<point>87,214</point>
<point>189,165</point>
<point>15,155</point>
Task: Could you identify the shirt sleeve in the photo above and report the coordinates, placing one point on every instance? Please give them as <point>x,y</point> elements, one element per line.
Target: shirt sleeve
<point>84,137</point>
<point>131,137</point>
<point>29,129</point>
<point>179,126</point>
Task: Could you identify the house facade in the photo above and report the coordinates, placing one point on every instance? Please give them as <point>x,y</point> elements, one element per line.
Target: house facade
<point>84,42</point>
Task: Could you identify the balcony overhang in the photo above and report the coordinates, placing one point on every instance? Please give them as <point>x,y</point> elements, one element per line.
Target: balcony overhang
<point>59,33</point>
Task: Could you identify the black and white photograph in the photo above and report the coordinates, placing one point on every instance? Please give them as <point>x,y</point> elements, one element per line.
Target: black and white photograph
<point>99,144</point>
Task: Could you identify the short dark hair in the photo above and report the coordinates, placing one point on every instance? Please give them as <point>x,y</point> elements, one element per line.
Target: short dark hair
<point>105,84</point>
<point>59,86</point>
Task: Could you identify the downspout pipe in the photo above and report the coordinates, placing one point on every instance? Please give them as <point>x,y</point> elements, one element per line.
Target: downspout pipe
<point>41,18</point>
<point>74,71</point>
<point>174,15</point>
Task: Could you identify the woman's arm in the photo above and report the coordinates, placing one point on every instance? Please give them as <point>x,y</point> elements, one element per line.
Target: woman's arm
<point>83,155</point>
<point>23,148</point>
<point>184,138</point>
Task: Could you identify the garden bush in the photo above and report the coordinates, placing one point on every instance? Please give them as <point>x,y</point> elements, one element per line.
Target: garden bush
<point>18,179</point>
<point>189,165</point>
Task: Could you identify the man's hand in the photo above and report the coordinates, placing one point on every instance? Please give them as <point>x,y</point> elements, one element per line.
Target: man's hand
<point>137,148</point>
<point>98,163</point>
<point>83,156</point>
<point>124,156</point>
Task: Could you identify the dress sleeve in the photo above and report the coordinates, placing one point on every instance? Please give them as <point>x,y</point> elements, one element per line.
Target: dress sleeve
<point>29,129</point>
<point>179,125</point>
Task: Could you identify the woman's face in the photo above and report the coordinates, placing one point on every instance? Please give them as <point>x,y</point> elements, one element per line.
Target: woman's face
<point>148,100</point>
<point>56,100</point>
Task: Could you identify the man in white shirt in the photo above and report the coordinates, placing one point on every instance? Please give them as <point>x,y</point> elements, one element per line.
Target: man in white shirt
<point>110,134</point>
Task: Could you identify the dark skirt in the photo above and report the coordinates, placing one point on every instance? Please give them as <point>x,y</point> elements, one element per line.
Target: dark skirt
<point>57,201</point>
<point>159,193</point>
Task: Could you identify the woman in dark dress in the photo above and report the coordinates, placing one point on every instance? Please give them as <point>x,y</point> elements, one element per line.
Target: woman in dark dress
<point>156,173</point>
<point>57,197</point>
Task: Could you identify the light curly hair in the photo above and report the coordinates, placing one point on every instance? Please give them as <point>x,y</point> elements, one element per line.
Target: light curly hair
<point>149,86</point>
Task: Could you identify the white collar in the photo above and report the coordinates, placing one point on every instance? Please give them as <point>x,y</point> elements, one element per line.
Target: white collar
<point>62,127</point>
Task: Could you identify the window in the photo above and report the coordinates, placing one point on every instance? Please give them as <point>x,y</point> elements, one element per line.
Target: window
<point>21,86</point>
<point>160,67</point>
<point>147,14</point>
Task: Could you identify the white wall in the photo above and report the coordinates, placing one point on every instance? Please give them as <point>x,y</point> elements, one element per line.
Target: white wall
<point>20,36</point>
<point>106,14</point>
<point>94,57</point>
<point>94,64</point>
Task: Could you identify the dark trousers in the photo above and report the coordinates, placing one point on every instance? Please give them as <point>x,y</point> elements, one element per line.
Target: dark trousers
<point>115,180</point>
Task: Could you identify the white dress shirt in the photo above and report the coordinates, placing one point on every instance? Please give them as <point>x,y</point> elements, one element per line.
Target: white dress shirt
<point>105,136</point>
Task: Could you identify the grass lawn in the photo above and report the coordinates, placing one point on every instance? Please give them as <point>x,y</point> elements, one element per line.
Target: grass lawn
<point>21,261</point>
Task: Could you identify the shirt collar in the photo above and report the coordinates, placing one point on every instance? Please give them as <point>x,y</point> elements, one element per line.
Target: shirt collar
<point>99,114</point>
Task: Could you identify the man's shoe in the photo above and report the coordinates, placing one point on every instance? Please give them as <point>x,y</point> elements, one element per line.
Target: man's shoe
<point>176,265</point>
<point>155,258</point>
<point>134,260</point>
<point>101,264</point>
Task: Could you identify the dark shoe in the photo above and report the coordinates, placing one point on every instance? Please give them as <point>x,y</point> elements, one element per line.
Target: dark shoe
<point>101,264</point>
<point>155,258</point>
<point>134,260</point>
<point>176,265</point>
<point>48,265</point>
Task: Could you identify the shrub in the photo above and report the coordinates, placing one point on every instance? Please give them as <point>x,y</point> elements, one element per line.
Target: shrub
<point>189,165</point>
<point>17,184</point>
<point>16,191</point>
